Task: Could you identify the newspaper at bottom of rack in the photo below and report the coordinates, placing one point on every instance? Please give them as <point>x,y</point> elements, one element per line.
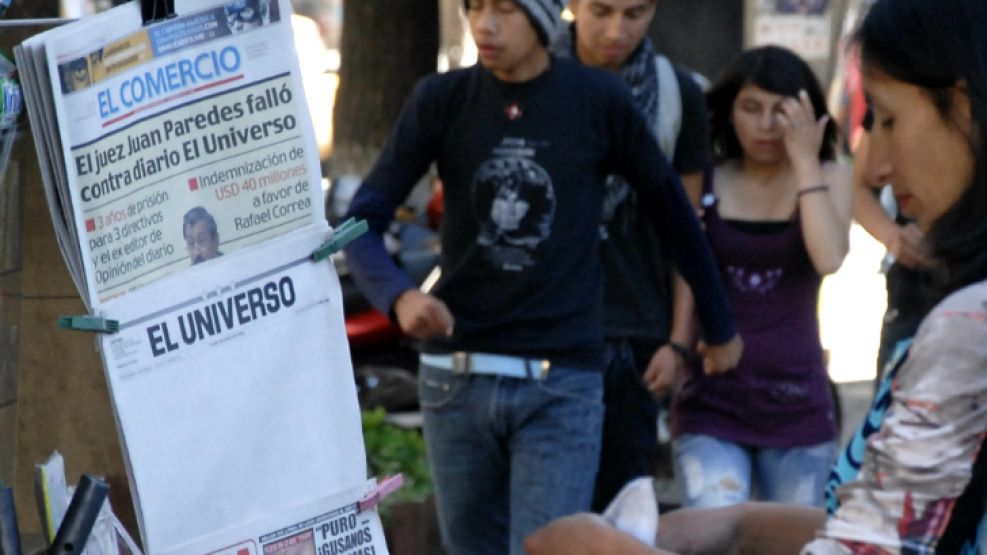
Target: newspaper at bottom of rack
<point>233,390</point>
<point>332,525</point>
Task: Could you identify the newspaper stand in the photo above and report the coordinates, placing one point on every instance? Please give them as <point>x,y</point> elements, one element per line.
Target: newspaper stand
<point>152,11</point>
<point>172,115</point>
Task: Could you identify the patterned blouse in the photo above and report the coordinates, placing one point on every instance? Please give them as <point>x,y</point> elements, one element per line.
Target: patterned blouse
<point>913,480</point>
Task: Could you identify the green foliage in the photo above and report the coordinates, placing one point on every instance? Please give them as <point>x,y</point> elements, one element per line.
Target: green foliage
<point>392,450</point>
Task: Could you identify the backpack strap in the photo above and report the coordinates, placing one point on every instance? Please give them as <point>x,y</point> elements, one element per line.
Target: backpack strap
<point>669,106</point>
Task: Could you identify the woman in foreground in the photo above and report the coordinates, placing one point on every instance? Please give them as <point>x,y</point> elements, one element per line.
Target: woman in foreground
<point>913,479</point>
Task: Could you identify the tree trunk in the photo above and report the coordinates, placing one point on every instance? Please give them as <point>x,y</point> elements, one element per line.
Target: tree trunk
<point>677,24</point>
<point>387,45</point>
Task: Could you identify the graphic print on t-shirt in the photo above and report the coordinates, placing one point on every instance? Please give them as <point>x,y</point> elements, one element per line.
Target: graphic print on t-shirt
<point>514,203</point>
<point>748,281</point>
<point>617,192</point>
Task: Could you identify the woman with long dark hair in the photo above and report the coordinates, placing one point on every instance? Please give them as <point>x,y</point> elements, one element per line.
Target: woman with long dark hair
<point>777,214</point>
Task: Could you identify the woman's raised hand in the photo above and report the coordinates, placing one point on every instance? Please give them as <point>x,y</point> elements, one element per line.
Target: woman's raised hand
<point>803,133</point>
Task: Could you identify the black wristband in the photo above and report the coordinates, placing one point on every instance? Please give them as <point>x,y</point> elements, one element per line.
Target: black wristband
<point>681,350</point>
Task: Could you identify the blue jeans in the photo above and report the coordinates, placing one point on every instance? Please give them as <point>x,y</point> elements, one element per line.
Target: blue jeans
<point>508,455</point>
<point>716,473</point>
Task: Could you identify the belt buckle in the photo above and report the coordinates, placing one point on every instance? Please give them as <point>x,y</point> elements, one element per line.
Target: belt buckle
<point>461,362</point>
<point>545,366</point>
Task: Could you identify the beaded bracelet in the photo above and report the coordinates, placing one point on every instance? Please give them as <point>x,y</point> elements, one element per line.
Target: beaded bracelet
<point>813,189</point>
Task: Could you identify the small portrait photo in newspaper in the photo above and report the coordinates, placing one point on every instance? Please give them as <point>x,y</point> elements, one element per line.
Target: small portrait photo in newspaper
<point>244,15</point>
<point>201,235</point>
<point>74,75</point>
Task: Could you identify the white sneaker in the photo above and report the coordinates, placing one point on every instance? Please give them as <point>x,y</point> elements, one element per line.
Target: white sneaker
<point>635,510</point>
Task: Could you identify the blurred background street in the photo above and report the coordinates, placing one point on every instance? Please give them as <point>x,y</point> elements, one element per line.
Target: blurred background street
<point>851,308</point>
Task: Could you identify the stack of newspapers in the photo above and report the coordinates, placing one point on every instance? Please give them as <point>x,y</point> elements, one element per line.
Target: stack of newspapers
<point>182,177</point>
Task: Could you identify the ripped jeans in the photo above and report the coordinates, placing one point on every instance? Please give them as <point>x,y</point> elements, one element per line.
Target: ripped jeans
<point>715,473</point>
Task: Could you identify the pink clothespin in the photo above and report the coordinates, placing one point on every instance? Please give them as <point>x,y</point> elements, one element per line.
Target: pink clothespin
<point>383,488</point>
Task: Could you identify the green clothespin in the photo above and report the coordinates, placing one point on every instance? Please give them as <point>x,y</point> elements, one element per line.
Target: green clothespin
<point>89,323</point>
<point>342,235</point>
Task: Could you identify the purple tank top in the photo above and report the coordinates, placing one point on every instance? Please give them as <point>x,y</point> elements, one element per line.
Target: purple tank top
<point>779,394</point>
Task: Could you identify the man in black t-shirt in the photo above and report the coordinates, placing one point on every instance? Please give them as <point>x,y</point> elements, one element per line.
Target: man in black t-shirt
<point>510,380</point>
<point>645,338</point>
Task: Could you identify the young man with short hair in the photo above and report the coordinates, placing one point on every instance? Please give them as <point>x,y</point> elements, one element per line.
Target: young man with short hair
<point>645,340</point>
<point>510,374</point>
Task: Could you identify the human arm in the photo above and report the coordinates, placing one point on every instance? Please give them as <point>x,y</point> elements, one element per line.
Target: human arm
<point>692,160</point>
<point>665,367</point>
<point>584,534</point>
<point>917,472</point>
<point>693,185</point>
<point>716,357</point>
<point>634,155</point>
<point>422,315</point>
<point>904,242</point>
<point>823,190</point>
<point>696,270</point>
<point>412,146</point>
<point>668,362</point>
<point>744,529</point>
<point>692,157</point>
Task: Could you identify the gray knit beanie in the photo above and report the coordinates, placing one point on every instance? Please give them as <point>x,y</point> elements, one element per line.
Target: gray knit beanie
<point>545,16</point>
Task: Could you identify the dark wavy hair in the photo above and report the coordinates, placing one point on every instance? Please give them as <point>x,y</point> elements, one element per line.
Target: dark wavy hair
<point>775,70</point>
<point>936,45</point>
